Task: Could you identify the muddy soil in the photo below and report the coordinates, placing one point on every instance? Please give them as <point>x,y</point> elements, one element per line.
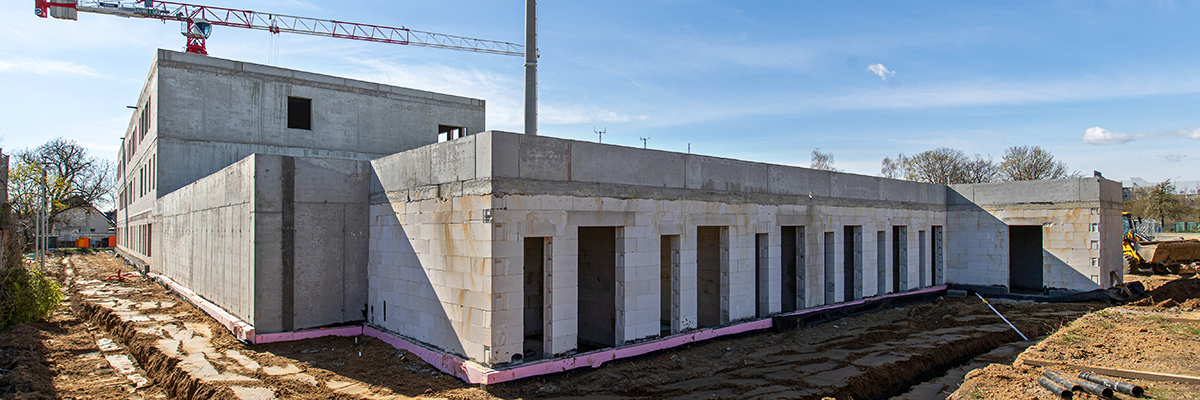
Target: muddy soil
<point>1158,334</point>
<point>873,356</point>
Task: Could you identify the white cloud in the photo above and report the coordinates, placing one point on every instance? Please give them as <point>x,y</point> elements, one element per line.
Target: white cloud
<point>1194,133</point>
<point>20,65</point>
<point>1174,158</point>
<point>1098,135</point>
<point>882,71</point>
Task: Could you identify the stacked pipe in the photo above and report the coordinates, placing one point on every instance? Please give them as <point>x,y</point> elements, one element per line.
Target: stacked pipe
<point>1063,385</point>
<point>1123,387</point>
<point>1074,384</point>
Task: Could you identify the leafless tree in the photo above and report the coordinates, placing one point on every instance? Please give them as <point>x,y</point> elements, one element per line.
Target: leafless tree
<point>67,173</point>
<point>894,168</point>
<point>978,170</point>
<point>1027,163</point>
<point>948,166</point>
<point>822,161</point>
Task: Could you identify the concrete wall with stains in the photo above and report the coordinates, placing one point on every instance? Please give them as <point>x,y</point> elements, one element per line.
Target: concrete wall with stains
<point>449,221</point>
<point>277,241</point>
<point>1081,230</point>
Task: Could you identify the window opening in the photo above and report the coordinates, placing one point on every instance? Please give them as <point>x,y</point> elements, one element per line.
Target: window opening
<point>447,133</point>
<point>299,113</point>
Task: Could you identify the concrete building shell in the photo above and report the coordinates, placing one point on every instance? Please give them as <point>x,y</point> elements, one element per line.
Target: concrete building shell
<point>502,247</point>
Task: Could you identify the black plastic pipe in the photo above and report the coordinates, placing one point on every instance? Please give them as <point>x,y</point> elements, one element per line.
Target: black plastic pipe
<point>1055,388</point>
<point>1123,387</point>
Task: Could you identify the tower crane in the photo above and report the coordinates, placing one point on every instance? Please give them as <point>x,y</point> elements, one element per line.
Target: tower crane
<point>198,20</point>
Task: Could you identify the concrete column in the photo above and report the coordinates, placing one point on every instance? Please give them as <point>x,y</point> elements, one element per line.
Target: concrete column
<point>623,300</point>
<point>563,300</point>
<point>828,278</point>
<point>881,263</point>
<point>801,269</point>
<point>725,278</point>
<point>688,280</point>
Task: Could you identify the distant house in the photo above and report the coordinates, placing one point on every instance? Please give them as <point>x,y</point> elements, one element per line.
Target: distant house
<point>82,222</point>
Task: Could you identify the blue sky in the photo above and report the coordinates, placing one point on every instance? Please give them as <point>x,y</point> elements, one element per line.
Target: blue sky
<point>1108,86</point>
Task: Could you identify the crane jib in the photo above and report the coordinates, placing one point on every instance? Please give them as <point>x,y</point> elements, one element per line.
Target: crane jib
<point>193,14</point>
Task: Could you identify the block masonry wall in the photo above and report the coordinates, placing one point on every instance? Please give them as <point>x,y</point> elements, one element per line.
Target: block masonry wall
<point>449,220</point>
<point>1081,231</point>
<point>277,241</point>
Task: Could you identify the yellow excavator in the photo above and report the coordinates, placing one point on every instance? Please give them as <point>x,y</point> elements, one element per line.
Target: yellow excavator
<point>1158,256</point>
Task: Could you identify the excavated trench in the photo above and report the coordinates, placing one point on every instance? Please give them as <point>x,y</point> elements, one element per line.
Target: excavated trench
<point>160,367</point>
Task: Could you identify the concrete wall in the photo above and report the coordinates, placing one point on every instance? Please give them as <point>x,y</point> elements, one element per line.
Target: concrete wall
<point>481,196</point>
<point>242,107</point>
<point>208,246</point>
<point>1080,219</point>
<point>204,113</point>
<point>278,241</point>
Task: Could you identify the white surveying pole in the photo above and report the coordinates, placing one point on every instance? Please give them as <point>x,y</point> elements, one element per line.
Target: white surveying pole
<point>531,67</point>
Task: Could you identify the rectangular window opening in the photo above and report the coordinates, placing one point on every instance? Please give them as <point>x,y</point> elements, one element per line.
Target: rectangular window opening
<point>597,288</point>
<point>792,259</point>
<point>1025,258</point>
<point>299,113</point>
<point>447,133</point>
<point>899,258</point>
<point>853,258</point>
<point>711,262</point>
<point>534,297</point>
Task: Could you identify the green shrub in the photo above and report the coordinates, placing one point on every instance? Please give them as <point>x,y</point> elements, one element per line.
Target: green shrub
<point>27,295</point>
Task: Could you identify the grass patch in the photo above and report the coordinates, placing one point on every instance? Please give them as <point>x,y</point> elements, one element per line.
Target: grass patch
<point>976,395</point>
<point>1183,330</point>
<point>1155,319</point>
<point>1071,338</point>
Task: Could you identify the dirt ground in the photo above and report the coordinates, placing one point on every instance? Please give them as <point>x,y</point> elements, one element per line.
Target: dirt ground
<point>1158,334</point>
<point>873,356</point>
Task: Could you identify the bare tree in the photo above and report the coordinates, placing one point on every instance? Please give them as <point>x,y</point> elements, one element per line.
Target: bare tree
<point>69,176</point>
<point>894,168</point>
<point>978,170</point>
<point>948,166</point>
<point>1027,163</point>
<point>822,161</point>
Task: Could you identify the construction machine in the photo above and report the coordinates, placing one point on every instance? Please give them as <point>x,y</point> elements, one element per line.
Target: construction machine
<point>1158,256</point>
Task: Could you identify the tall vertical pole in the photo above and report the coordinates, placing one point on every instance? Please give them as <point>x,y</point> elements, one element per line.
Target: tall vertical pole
<point>44,214</point>
<point>531,67</point>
